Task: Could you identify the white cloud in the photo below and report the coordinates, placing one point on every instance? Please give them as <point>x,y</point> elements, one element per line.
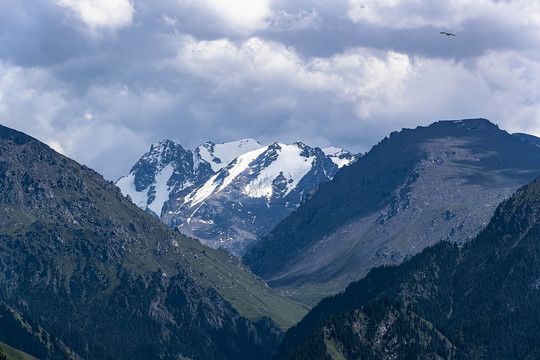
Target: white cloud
<point>56,146</point>
<point>379,86</point>
<point>407,14</point>
<point>104,102</point>
<point>245,17</point>
<point>35,102</point>
<point>303,19</point>
<point>500,86</point>
<point>230,65</point>
<point>237,16</point>
<point>170,21</point>
<point>101,14</point>
<point>27,102</point>
<point>354,75</point>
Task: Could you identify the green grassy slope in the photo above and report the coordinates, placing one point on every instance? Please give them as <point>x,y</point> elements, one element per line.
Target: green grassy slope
<point>95,209</point>
<point>13,354</point>
<point>111,280</point>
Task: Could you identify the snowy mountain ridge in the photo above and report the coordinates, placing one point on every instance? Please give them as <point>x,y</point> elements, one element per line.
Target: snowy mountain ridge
<point>288,164</point>
<point>228,194</point>
<point>220,155</point>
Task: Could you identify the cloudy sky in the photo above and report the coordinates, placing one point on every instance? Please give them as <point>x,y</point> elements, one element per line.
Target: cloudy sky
<point>100,80</point>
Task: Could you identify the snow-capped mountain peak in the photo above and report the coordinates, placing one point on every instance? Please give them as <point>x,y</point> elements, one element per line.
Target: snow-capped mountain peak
<point>153,177</point>
<point>339,156</point>
<point>333,151</point>
<point>282,162</point>
<point>161,151</point>
<point>289,163</point>
<point>229,194</point>
<point>220,155</point>
<point>223,178</point>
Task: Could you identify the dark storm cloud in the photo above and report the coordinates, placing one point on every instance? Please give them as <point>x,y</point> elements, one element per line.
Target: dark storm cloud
<point>100,80</point>
<point>35,34</point>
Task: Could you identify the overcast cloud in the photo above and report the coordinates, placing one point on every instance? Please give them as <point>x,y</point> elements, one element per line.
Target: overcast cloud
<point>100,80</point>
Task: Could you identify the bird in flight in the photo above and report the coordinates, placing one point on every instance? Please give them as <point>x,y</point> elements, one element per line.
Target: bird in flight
<point>447,34</point>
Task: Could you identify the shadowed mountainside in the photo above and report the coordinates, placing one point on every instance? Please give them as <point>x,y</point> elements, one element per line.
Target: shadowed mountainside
<point>478,301</point>
<point>412,190</point>
<point>81,261</point>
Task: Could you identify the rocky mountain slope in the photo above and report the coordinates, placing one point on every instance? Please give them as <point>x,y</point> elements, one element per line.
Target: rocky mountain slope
<point>415,188</point>
<point>110,281</point>
<point>478,301</point>
<point>229,195</point>
<point>530,138</point>
<point>168,170</point>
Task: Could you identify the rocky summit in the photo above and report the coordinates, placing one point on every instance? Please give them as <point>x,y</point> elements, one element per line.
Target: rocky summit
<point>415,188</point>
<point>229,195</point>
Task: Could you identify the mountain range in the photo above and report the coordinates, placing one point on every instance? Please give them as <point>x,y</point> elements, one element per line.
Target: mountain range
<point>106,280</point>
<point>229,195</point>
<point>415,188</point>
<point>476,301</point>
<point>87,274</point>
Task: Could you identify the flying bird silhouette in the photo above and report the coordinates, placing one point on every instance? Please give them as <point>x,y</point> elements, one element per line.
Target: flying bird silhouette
<point>447,34</point>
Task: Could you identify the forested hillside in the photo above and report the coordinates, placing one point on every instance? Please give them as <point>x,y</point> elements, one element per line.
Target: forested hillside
<point>479,301</point>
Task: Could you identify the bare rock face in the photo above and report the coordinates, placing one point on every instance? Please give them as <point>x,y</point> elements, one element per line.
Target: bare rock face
<point>415,188</point>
